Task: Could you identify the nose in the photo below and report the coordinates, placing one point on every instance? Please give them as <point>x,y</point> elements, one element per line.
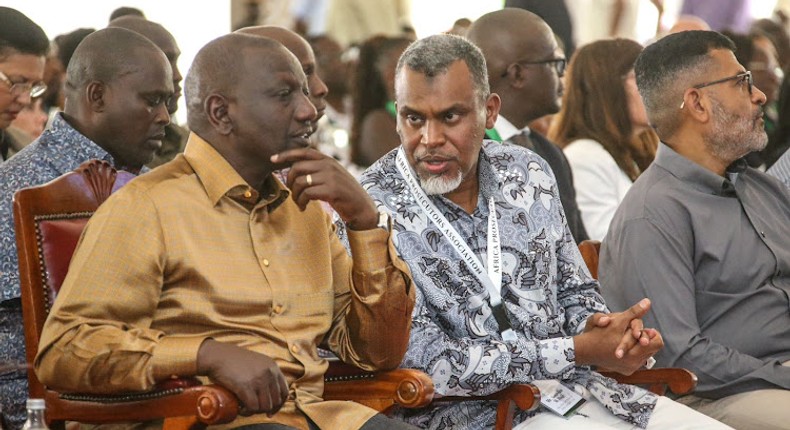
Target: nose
<point>306,111</point>
<point>432,133</point>
<point>177,77</point>
<point>162,115</point>
<point>319,90</point>
<point>758,97</point>
<point>24,98</point>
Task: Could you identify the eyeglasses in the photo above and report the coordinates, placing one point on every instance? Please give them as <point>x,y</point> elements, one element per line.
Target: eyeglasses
<point>740,77</point>
<point>559,65</point>
<point>19,88</point>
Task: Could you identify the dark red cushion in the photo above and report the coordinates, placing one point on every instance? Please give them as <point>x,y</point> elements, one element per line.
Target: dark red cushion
<point>59,238</point>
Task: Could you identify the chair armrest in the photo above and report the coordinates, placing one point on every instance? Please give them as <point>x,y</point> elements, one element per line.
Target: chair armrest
<point>202,404</point>
<point>679,381</point>
<point>525,397</point>
<point>407,388</point>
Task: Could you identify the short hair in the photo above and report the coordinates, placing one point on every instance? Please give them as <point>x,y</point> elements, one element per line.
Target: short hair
<point>107,55</point>
<point>217,68</point>
<point>665,69</point>
<point>18,34</point>
<point>433,55</point>
<point>126,11</point>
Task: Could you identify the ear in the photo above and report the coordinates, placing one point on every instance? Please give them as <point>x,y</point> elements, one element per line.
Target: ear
<point>216,107</point>
<point>493,103</point>
<point>516,74</point>
<point>696,106</point>
<point>95,92</point>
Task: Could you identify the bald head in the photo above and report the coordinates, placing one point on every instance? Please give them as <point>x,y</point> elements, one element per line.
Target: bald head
<point>689,23</point>
<point>161,38</point>
<point>519,48</point>
<point>107,55</point>
<point>510,35</point>
<point>217,69</point>
<point>153,31</point>
<point>304,53</point>
<point>291,40</point>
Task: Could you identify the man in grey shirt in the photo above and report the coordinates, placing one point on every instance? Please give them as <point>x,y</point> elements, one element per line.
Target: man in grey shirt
<point>706,237</point>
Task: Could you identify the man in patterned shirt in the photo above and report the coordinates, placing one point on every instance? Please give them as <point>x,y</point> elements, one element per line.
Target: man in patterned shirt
<point>117,88</point>
<point>532,314</point>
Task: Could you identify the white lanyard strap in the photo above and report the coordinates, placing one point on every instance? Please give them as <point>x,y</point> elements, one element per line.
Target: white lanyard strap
<point>491,279</point>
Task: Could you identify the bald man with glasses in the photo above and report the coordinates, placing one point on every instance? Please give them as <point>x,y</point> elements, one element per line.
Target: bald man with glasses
<point>705,236</point>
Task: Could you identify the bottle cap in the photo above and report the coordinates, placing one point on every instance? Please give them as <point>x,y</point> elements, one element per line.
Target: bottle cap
<point>36,404</point>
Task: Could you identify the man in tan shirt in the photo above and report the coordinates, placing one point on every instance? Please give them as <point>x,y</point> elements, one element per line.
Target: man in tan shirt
<point>210,266</point>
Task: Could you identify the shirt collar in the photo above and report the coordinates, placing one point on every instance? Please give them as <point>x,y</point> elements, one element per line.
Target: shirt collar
<point>220,179</point>
<point>696,175</point>
<point>71,145</point>
<point>506,129</point>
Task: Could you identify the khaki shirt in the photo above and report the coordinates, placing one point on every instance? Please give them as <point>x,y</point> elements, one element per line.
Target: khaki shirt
<point>189,252</point>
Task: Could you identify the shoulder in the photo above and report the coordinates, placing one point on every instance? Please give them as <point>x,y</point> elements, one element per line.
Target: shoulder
<point>382,174</point>
<point>585,147</point>
<point>162,182</point>
<point>377,118</point>
<point>27,168</point>
<point>656,195</point>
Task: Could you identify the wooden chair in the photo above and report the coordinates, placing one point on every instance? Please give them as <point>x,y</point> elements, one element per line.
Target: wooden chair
<point>678,381</point>
<point>49,220</point>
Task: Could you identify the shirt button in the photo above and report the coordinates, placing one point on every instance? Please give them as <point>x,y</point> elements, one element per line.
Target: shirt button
<point>265,263</point>
<point>278,309</point>
<point>295,348</point>
<point>247,194</point>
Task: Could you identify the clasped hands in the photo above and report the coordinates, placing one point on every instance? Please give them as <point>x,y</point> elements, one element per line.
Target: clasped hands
<point>618,341</point>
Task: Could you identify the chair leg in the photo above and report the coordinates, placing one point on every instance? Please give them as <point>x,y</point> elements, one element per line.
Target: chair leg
<point>504,414</point>
<point>183,423</point>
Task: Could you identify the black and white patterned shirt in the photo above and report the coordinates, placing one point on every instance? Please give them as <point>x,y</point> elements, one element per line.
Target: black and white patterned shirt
<point>546,289</point>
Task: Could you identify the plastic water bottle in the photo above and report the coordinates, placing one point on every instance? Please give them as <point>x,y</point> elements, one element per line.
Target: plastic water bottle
<point>35,415</point>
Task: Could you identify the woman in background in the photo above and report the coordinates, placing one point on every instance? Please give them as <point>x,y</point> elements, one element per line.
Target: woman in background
<point>603,129</point>
<point>373,124</point>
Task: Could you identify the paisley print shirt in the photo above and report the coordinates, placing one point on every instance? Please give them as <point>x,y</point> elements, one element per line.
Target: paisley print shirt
<point>546,289</point>
<point>59,150</point>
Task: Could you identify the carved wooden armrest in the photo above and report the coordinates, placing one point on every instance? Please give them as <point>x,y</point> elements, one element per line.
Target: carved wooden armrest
<point>201,404</point>
<point>679,381</point>
<point>381,391</point>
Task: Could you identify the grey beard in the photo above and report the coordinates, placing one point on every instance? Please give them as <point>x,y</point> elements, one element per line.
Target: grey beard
<point>733,137</point>
<point>439,185</point>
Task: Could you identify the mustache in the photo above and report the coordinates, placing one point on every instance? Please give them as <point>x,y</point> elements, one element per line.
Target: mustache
<point>432,155</point>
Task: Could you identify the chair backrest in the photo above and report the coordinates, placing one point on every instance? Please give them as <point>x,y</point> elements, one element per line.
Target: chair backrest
<point>49,220</point>
<point>590,250</point>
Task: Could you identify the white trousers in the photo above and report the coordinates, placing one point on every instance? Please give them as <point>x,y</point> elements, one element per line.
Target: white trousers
<point>668,415</point>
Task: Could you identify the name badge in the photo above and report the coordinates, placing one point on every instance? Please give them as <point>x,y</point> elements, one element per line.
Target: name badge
<point>558,398</point>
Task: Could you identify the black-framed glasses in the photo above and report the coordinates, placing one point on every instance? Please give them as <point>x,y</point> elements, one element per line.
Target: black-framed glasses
<point>559,65</point>
<point>17,89</point>
<point>740,77</point>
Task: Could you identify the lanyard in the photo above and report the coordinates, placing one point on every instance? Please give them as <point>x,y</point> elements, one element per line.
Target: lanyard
<point>492,278</point>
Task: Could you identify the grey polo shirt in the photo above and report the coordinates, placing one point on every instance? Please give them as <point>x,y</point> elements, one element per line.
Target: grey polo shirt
<point>713,254</point>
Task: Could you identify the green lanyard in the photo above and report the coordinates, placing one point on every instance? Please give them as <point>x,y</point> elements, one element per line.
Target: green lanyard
<point>390,107</point>
<point>492,134</point>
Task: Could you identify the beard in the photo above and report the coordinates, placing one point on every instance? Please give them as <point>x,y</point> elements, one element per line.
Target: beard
<point>440,184</point>
<point>734,136</point>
